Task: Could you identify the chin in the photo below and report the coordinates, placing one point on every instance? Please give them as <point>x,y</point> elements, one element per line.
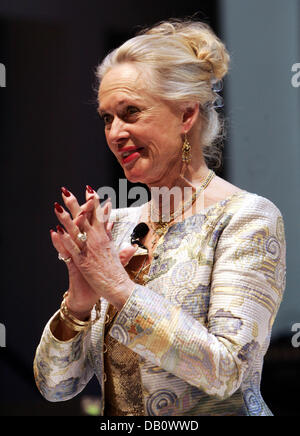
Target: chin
<point>135,176</point>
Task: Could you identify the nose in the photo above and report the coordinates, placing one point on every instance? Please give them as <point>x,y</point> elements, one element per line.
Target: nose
<point>117,132</point>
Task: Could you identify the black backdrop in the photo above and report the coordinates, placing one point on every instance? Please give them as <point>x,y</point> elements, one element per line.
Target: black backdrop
<point>51,136</point>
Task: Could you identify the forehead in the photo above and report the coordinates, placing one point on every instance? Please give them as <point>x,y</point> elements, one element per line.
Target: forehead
<point>120,83</point>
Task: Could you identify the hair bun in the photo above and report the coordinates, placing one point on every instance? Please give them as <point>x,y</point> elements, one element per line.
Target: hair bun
<point>203,43</point>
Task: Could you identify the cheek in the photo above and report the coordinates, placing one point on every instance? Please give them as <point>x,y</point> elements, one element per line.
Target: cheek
<point>106,133</point>
<point>168,140</point>
<point>161,130</point>
<point>168,128</point>
<point>108,141</point>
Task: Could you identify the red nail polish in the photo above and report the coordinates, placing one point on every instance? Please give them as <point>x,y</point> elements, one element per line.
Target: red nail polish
<point>58,208</point>
<point>89,189</point>
<point>65,192</point>
<point>60,229</point>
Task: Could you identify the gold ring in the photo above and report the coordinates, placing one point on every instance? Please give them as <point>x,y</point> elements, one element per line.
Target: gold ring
<point>65,259</point>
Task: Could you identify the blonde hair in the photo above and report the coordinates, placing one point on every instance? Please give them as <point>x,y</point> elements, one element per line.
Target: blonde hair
<point>184,58</point>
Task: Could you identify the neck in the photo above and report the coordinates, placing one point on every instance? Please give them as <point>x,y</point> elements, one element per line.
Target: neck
<point>167,199</point>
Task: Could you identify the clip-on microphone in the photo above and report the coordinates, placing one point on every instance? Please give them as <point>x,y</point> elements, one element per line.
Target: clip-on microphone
<point>139,232</point>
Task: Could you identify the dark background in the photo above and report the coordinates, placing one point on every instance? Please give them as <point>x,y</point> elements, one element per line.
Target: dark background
<point>51,136</point>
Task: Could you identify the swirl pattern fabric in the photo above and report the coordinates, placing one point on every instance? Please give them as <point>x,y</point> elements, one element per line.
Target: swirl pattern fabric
<point>201,323</point>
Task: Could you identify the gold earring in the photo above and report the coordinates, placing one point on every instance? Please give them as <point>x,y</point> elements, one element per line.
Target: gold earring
<point>186,151</point>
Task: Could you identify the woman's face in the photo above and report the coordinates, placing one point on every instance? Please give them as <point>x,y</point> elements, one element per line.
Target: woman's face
<point>143,131</point>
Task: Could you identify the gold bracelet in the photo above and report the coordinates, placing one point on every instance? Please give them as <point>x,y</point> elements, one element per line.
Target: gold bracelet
<point>74,323</point>
<point>97,309</point>
<point>71,325</point>
<point>72,318</point>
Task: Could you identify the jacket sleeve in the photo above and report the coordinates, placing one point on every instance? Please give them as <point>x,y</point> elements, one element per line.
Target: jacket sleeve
<point>247,283</point>
<point>62,369</point>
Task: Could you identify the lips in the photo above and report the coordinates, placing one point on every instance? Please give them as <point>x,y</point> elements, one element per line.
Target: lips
<point>128,150</point>
<point>130,153</point>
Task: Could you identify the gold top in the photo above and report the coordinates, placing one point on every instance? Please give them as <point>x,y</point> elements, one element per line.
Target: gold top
<point>123,387</point>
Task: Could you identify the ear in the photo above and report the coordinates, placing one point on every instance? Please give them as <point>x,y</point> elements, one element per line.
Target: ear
<point>189,117</point>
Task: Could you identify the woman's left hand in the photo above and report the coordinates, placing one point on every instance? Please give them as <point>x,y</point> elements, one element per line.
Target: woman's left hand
<point>97,258</point>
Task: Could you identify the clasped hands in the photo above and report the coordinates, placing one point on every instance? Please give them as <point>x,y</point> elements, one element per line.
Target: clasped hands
<point>96,269</point>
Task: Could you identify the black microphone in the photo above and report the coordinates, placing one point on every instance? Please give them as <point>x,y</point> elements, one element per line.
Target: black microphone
<point>139,232</point>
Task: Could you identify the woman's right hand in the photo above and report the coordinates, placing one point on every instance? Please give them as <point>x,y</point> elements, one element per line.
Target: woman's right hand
<point>81,297</point>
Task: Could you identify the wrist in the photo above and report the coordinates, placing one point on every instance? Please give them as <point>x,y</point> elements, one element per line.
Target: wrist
<point>82,320</point>
<point>124,291</point>
<point>76,311</point>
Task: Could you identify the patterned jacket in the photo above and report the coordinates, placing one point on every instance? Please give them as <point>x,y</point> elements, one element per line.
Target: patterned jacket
<point>202,322</point>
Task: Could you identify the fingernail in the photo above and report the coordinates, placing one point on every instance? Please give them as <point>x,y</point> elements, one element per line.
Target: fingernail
<point>58,208</point>
<point>65,192</point>
<point>51,231</point>
<point>89,189</point>
<point>60,229</point>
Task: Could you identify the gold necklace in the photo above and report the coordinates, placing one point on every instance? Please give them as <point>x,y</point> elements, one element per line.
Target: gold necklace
<point>161,227</point>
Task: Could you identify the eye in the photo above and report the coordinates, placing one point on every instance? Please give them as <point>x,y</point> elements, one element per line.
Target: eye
<point>131,113</point>
<point>132,109</point>
<point>106,118</point>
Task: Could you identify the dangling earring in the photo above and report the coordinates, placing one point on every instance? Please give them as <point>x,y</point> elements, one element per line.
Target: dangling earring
<point>186,151</point>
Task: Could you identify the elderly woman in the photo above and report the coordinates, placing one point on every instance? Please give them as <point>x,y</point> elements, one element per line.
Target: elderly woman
<point>173,316</point>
